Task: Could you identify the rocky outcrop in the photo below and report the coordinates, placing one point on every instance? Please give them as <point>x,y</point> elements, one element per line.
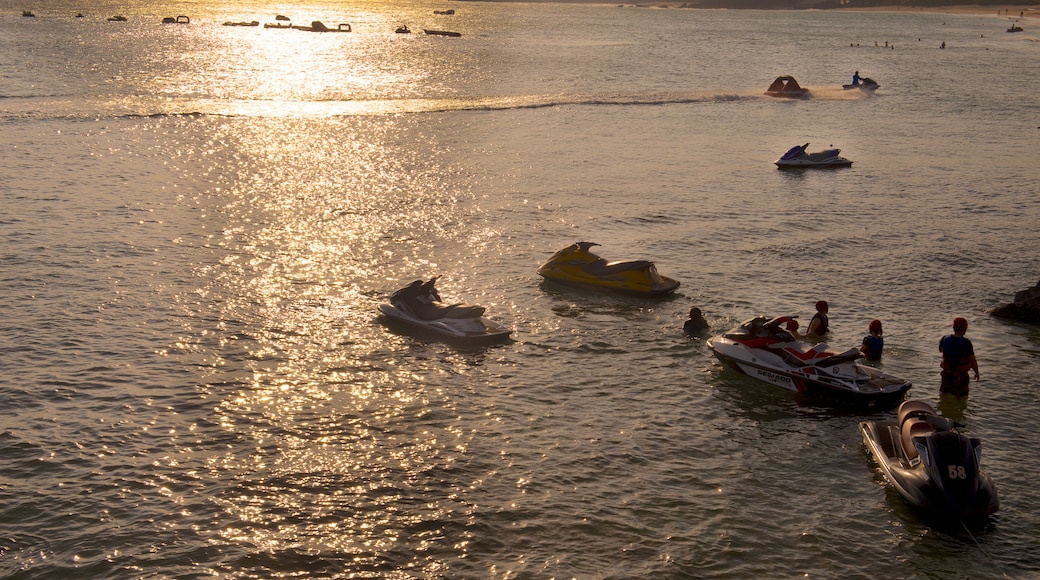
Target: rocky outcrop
<point>1025,308</point>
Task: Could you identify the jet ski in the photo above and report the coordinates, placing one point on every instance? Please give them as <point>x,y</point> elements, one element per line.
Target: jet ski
<point>419,307</point>
<point>761,349</point>
<point>933,466</point>
<point>865,84</point>
<point>797,158</point>
<point>576,266</point>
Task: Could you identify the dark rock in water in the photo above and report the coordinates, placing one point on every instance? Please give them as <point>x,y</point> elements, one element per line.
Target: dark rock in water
<point>1025,308</point>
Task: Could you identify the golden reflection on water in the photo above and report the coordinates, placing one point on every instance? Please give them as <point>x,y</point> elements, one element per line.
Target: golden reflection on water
<point>335,448</point>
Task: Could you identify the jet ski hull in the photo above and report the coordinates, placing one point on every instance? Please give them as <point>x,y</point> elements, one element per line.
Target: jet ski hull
<point>635,284</point>
<point>954,488</point>
<point>469,331</point>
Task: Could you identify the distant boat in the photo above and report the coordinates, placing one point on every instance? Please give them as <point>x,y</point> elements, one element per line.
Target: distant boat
<point>402,29</point>
<point>442,32</point>
<point>1015,28</point>
<point>281,18</point>
<point>276,25</point>
<point>179,20</point>
<point>253,23</point>
<point>117,18</point>
<point>445,12</point>
<point>319,26</point>
<point>28,14</point>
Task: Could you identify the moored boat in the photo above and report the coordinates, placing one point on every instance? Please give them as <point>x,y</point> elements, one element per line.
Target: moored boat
<point>419,308</point>
<point>932,465</point>
<point>576,266</point>
<point>798,158</point>
<point>442,32</point>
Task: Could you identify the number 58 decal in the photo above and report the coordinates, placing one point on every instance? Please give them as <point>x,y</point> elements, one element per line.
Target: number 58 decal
<point>957,472</point>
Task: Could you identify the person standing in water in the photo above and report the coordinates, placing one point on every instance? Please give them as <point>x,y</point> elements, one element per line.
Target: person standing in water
<point>958,357</point>
<point>819,324</point>
<point>873,343</point>
<point>696,323</point>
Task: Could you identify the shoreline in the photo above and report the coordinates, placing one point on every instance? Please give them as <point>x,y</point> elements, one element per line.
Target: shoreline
<point>1011,11</point>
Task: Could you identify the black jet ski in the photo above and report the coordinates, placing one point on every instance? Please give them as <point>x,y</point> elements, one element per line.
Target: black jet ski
<point>931,464</point>
<point>419,307</point>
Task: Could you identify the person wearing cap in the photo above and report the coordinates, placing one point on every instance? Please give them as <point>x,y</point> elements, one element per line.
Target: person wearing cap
<point>958,357</point>
<point>819,323</point>
<point>873,343</point>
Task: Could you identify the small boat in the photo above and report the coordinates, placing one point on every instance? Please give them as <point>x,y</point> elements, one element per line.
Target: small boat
<point>28,14</point>
<point>319,26</point>
<point>763,350</point>
<point>403,30</point>
<point>865,84</point>
<point>786,86</point>
<point>442,33</point>
<point>277,25</point>
<point>448,12</point>
<point>1015,28</point>
<point>930,463</point>
<point>797,158</point>
<point>281,18</point>
<point>253,23</point>
<point>418,307</point>
<point>117,18</point>
<point>576,266</point>
<point>179,20</point>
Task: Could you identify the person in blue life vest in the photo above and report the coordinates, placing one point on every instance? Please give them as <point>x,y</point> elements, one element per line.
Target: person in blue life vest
<point>855,79</point>
<point>819,324</point>
<point>873,343</point>
<point>958,357</point>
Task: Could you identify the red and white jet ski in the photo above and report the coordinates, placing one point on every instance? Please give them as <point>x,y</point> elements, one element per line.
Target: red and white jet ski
<point>760,348</point>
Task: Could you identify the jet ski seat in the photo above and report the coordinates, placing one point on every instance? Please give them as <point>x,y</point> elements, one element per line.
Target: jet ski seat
<point>913,422</point>
<point>603,268</point>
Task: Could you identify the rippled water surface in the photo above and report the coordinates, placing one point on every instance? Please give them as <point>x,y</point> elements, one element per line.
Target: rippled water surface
<point>199,222</point>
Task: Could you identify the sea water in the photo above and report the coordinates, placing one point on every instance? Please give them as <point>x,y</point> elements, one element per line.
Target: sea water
<point>199,222</point>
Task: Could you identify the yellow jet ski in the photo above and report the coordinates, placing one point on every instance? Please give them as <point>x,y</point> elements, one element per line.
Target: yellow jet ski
<point>576,266</point>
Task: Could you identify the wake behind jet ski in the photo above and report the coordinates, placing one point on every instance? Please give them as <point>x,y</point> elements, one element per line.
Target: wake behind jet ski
<point>761,349</point>
<point>932,465</point>
<point>419,307</point>
<point>577,266</point>
<point>797,158</point>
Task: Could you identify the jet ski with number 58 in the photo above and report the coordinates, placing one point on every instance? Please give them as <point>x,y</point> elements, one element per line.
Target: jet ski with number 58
<point>933,466</point>
<point>577,266</point>
<point>419,307</point>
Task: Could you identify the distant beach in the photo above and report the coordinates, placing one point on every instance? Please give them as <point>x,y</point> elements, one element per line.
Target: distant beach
<point>1010,11</point>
